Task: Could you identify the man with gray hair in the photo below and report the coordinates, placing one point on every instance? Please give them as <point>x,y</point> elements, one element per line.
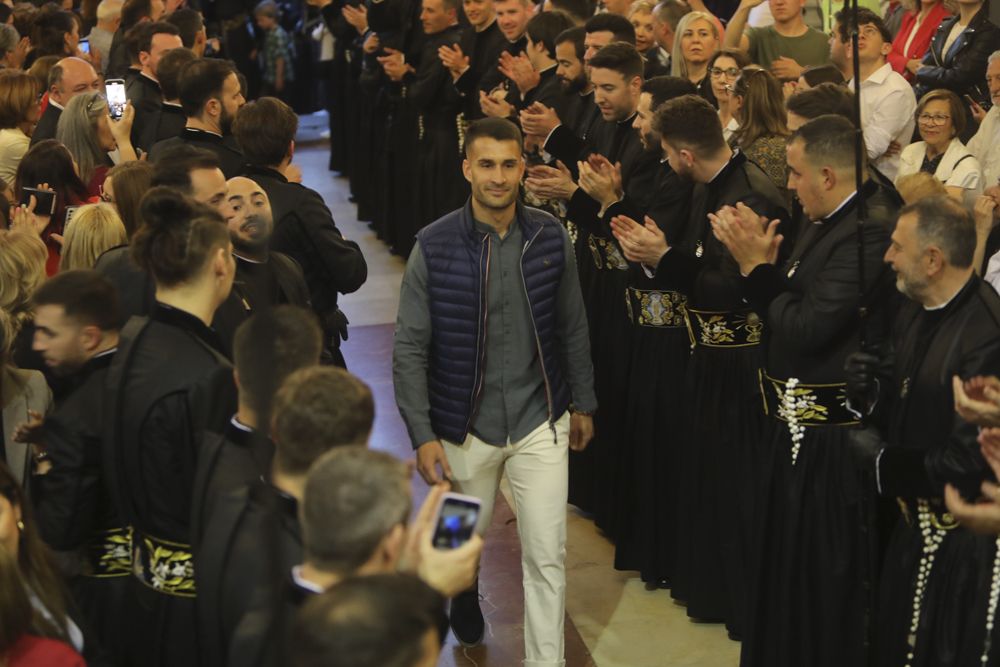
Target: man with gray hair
<point>946,333</point>
<point>109,17</point>
<point>983,144</point>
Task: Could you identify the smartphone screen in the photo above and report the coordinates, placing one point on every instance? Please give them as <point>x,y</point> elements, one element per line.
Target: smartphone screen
<point>456,521</point>
<point>45,200</point>
<point>114,89</point>
<point>85,46</point>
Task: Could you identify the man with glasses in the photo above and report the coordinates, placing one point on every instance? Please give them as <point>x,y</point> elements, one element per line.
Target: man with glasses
<point>983,144</point>
<point>887,100</point>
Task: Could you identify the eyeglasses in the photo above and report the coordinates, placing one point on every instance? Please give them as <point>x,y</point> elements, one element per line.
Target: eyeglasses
<point>730,72</point>
<point>937,119</point>
<point>98,99</point>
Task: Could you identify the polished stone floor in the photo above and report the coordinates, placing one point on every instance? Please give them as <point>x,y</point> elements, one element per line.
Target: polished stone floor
<point>612,620</point>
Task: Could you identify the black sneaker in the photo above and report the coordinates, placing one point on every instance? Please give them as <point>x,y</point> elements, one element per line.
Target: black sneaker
<point>466,618</point>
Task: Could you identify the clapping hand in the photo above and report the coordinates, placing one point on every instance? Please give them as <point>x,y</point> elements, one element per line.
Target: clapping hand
<point>981,517</point>
<point>551,182</point>
<point>453,59</point>
<point>519,70</point>
<point>601,180</point>
<point>539,120</point>
<point>750,238</point>
<point>494,105</point>
<point>977,400</point>
<point>393,65</point>
<point>645,244</point>
<point>785,69</point>
<point>357,17</point>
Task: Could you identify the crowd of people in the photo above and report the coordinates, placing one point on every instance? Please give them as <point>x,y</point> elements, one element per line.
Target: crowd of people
<point>662,264</point>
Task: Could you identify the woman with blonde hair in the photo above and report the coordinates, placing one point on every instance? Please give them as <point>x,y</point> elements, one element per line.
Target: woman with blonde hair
<point>22,271</point>
<point>94,229</point>
<point>19,112</point>
<point>696,40</point>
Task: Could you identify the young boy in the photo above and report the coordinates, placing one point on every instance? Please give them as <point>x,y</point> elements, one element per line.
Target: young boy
<point>276,55</point>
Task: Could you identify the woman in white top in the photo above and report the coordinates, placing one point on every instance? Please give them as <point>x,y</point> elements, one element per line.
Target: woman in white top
<point>19,112</point>
<point>723,70</point>
<point>940,120</point>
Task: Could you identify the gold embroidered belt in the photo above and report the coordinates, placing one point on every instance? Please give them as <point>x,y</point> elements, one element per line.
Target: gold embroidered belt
<point>815,404</point>
<point>655,308</point>
<point>164,566</point>
<point>724,329</point>
<point>108,553</point>
<point>940,517</point>
<point>606,254</point>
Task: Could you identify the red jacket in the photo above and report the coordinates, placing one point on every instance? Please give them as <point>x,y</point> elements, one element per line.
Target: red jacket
<point>31,651</point>
<point>922,41</point>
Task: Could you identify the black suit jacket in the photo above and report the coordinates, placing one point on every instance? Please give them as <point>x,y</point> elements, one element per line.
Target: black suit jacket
<point>46,127</point>
<point>230,155</point>
<point>146,99</point>
<point>167,122</point>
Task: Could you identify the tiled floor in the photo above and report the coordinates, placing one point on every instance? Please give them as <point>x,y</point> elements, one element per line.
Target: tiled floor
<point>612,620</point>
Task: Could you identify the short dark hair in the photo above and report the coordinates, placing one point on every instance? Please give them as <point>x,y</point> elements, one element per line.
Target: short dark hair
<point>150,30</point>
<point>945,223</point>
<point>670,12</point>
<point>546,27</point>
<point>379,620</point>
<point>741,58</point>
<point>168,70</point>
<point>499,129</point>
<point>956,108</point>
<point>690,122</point>
<point>200,81</point>
<point>173,168</point>
<point>620,57</point>
<point>317,409</point>
<point>664,88</point>
<point>577,35</point>
<point>620,27</point>
<point>133,38</point>
<point>353,498</point>
<point>84,295</point>
<point>828,141</point>
<point>578,10</point>
<point>189,22</point>
<point>134,11</point>
<point>264,129</point>
<point>843,21</point>
<point>826,98</point>
<point>270,346</point>
<point>817,74</point>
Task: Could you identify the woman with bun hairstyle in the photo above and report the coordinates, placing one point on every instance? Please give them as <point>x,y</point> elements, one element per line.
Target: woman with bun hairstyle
<point>168,383</point>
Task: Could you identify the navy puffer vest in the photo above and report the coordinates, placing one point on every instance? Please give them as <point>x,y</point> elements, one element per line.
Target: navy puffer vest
<point>457,256</point>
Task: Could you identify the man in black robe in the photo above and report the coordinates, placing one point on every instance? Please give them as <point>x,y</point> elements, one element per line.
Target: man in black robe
<point>315,410</point>
<point>809,600</point>
<point>475,56</point>
<point>304,228</point>
<point>144,90</point>
<point>76,331</point>
<point>544,86</point>
<point>512,20</point>
<point>210,96</point>
<point>169,120</point>
<point>264,279</point>
<point>949,327</point>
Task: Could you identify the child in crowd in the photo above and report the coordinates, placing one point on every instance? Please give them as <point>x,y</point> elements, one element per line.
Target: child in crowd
<point>275,55</point>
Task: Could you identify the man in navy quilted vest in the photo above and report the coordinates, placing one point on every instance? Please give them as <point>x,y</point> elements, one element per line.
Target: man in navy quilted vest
<point>492,372</point>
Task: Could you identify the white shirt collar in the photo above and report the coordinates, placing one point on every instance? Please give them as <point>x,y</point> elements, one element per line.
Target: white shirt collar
<point>945,304</point>
<point>240,425</point>
<point>302,582</point>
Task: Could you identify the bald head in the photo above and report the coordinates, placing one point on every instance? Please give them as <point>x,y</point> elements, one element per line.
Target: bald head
<point>71,77</point>
<point>251,223</point>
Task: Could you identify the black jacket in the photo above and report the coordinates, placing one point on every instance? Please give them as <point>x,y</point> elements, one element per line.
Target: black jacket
<point>47,124</point>
<point>166,122</point>
<point>963,68</point>
<point>230,155</point>
<point>304,230</point>
<point>136,291</point>
<point>147,99</point>
<point>483,49</point>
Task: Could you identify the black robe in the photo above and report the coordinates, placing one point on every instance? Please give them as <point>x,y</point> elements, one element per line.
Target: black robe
<point>47,124</point>
<point>147,100</point>
<point>810,592</point>
<point>483,49</point>
<point>441,188</point>
<point>75,510</point>
<point>166,122</point>
<point>228,151</point>
<point>930,445</point>
<point>237,575</point>
<point>167,385</point>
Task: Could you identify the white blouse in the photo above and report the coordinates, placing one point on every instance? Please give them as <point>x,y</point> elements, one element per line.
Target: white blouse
<point>958,167</point>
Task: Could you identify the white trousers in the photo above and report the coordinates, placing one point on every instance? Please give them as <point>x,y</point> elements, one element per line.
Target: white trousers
<point>537,469</point>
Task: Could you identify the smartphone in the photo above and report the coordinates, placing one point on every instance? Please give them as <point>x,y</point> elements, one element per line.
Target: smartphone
<point>45,200</point>
<point>70,212</point>
<point>114,90</point>
<point>456,520</point>
<point>85,46</point>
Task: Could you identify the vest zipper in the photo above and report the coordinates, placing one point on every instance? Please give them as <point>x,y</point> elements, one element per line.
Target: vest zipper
<point>481,334</point>
<point>538,341</point>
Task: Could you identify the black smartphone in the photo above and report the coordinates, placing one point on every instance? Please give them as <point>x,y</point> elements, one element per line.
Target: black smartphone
<point>456,520</point>
<point>45,200</point>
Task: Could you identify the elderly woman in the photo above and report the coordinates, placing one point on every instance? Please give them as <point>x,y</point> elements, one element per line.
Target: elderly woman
<point>696,40</point>
<point>19,112</point>
<point>87,130</point>
<point>940,121</point>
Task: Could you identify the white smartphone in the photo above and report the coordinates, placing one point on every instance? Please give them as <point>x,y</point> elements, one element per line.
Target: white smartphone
<point>456,520</point>
<point>114,90</point>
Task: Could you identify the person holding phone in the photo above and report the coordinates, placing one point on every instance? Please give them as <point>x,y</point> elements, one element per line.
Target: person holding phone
<point>89,133</point>
<point>493,374</point>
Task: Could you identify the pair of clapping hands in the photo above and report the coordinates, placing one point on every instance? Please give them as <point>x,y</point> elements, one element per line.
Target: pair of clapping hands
<point>977,401</point>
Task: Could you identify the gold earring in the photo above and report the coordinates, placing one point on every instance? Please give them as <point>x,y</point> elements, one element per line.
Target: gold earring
<point>20,525</point>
